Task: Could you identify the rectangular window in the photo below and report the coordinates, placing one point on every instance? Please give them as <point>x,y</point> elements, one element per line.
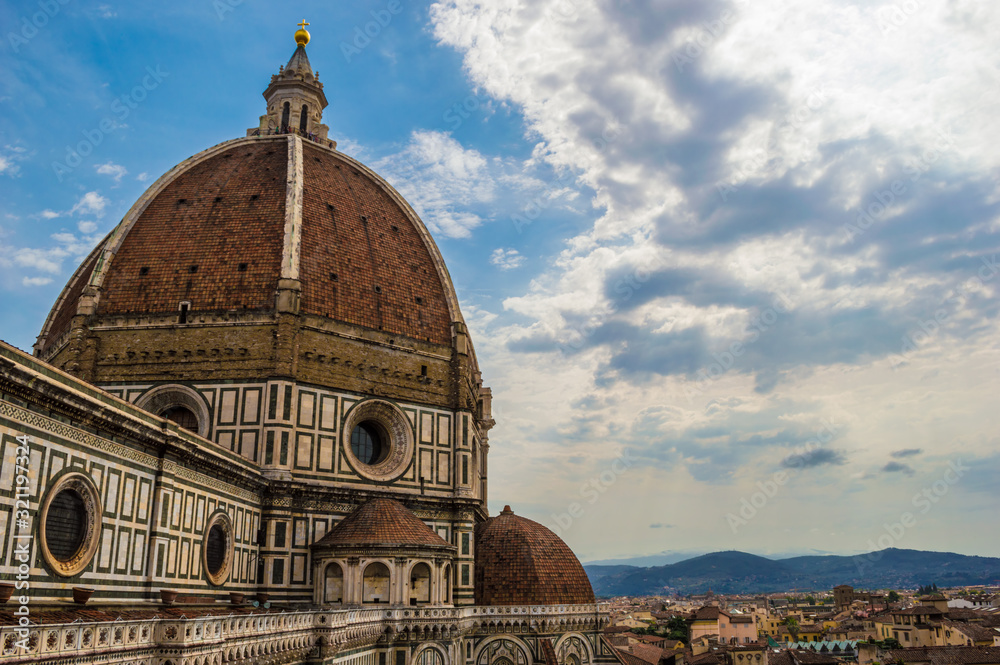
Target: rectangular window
<point>400,657</point>
<point>284,448</point>
<point>465,575</point>
<point>272,403</point>
<point>279,534</point>
<point>287,411</point>
<point>465,470</point>
<point>465,543</point>
<point>465,430</point>
<point>278,572</point>
<point>269,449</point>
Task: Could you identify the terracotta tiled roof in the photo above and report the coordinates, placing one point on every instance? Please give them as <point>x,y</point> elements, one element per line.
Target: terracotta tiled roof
<point>646,652</point>
<point>655,640</point>
<point>708,613</point>
<point>352,228</point>
<point>227,210</point>
<point>382,522</point>
<point>520,562</point>
<point>788,657</point>
<point>629,659</point>
<point>616,629</point>
<point>919,611</point>
<point>944,655</point>
<point>975,632</point>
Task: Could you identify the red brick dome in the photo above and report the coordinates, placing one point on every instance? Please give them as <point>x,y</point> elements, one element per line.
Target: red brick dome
<point>520,562</point>
<point>226,229</point>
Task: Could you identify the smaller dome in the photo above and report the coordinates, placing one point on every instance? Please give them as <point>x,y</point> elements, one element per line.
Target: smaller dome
<point>520,562</point>
<point>381,522</point>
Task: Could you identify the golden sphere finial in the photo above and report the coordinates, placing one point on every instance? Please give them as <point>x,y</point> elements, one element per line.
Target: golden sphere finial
<point>302,35</point>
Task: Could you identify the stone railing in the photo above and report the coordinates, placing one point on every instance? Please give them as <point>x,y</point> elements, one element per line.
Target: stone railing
<point>256,637</point>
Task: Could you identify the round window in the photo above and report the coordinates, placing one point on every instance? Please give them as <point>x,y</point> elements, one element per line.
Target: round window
<point>65,525</point>
<point>368,442</point>
<point>215,557</point>
<point>69,524</point>
<point>377,439</point>
<point>217,548</point>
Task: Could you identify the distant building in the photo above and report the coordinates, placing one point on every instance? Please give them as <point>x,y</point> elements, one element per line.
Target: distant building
<point>844,596</point>
<point>729,628</point>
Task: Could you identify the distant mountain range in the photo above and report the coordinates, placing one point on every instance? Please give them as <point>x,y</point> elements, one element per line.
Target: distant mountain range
<point>739,572</point>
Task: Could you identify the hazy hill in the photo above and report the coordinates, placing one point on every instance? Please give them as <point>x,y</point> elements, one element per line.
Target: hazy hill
<point>739,572</point>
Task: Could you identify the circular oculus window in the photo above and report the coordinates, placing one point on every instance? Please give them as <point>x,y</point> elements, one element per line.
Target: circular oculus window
<point>69,525</point>
<point>217,548</point>
<point>377,440</point>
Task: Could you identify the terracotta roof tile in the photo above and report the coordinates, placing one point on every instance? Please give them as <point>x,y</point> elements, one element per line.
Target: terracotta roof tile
<point>214,236</point>
<point>382,522</point>
<point>520,562</point>
<point>363,261</point>
<point>227,210</point>
<point>944,655</point>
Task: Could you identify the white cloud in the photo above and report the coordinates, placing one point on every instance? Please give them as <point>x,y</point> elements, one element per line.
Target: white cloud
<point>9,158</point>
<point>106,11</point>
<point>50,259</point>
<point>87,227</point>
<point>442,180</point>
<point>9,166</point>
<point>142,177</point>
<point>49,214</point>
<point>506,259</point>
<point>36,281</point>
<point>43,260</point>
<point>91,203</point>
<point>116,171</point>
<point>826,79</point>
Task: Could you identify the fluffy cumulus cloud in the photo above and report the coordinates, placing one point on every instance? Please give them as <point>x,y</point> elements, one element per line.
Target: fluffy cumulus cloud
<point>506,259</point>
<point>442,180</point>
<point>36,281</point>
<point>36,265</point>
<point>91,203</point>
<point>456,189</point>
<point>116,171</point>
<point>10,155</point>
<point>795,218</point>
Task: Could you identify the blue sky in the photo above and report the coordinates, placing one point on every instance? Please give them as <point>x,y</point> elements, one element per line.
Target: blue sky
<point>729,264</point>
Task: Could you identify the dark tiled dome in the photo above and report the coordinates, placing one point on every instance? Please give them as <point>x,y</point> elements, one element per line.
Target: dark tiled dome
<point>520,562</point>
<point>381,522</point>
